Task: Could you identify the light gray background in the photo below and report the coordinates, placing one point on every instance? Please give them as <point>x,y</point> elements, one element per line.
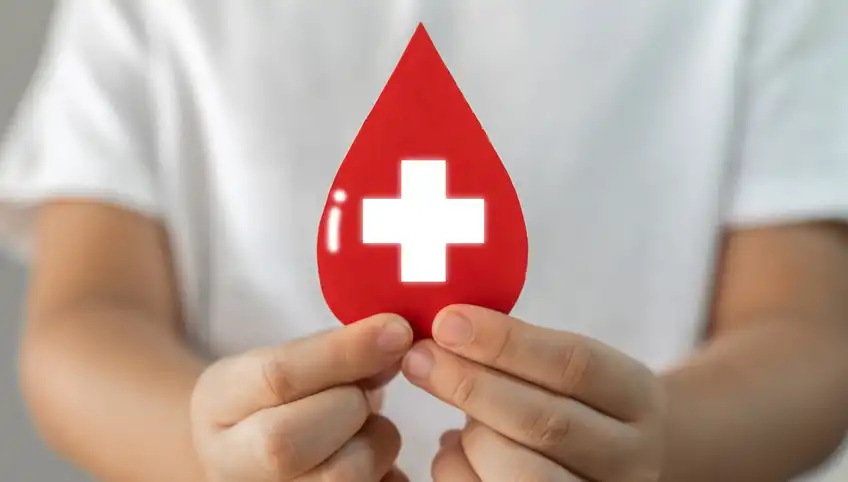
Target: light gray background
<point>23,458</point>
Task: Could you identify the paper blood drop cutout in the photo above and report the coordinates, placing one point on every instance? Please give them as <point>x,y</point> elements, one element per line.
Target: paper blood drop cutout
<point>422,213</point>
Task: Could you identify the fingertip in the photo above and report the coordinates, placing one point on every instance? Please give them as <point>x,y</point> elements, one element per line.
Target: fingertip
<point>395,475</point>
<point>395,334</point>
<point>450,438</point>
<point>419,361</point>
<point>462,309</point>
<point>385,434</point>
<point>381,319</point>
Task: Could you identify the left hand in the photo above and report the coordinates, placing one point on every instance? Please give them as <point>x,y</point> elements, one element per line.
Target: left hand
<point>542,405</point>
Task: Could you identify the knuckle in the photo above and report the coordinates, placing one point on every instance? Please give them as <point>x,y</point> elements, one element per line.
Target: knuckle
<point>275,376</point>
<point>346,354</point>
<point>277,455</point>
<point>465,390</point>
<point>573,364</point>
<point>505,350</point>
<point>343,349</point>
<point>546,429</point>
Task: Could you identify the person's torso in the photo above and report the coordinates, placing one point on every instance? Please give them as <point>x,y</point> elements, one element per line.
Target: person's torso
<point>613,119</point>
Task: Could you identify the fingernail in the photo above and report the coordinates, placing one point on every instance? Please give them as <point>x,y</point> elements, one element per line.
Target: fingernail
<point>418,362</point>
<point>395,336</point>
<point>453,329</point>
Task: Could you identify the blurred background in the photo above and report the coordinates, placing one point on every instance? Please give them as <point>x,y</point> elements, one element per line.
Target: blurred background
<point>23,458</point>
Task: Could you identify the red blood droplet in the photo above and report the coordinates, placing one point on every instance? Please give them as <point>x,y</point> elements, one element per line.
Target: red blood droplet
<point>422,213</point>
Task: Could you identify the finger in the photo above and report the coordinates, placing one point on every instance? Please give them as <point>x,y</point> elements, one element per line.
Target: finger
<point>450,463</point>
<point>367,457</point>
<point>289,440</point>
<point>562,362</point>
<point>274,376</point>
<point>495,457</point>
<point>375,399</point>
<point>449,437</point>
<point>395,475</point>
<point>565,430</point>
<point>381,379</point>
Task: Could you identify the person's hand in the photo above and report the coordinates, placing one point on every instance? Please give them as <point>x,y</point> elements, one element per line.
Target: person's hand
<point>300,412</point>
<point>542,405</point>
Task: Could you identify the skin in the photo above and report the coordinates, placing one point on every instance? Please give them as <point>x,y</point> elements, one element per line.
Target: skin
<point>763,400</point>
<point>103,348</point>
<point>300,412</point>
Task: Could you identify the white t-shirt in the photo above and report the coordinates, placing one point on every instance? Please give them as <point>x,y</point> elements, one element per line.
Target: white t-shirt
<point>634,133</point>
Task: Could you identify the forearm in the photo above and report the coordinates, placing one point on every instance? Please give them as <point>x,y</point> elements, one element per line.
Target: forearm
<point>110,390</point>
<point>759,405</point>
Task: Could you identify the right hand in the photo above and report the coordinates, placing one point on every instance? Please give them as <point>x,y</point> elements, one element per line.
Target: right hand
<point>301,412</point>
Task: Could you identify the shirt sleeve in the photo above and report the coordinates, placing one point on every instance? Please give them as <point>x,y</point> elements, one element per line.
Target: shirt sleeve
<point>84,127</point>
<point>794,117</point>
